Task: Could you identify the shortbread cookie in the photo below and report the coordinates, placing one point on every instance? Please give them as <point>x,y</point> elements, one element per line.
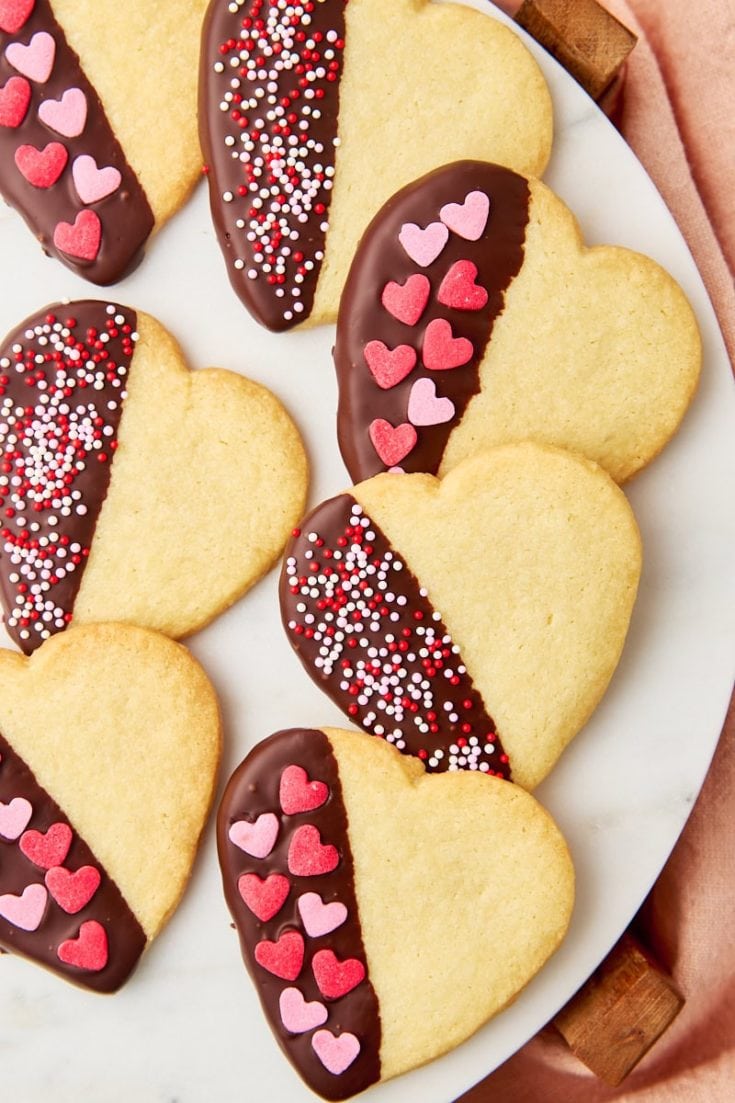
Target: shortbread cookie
<point>133,489</point>
<point>313,114</point>
<point>98,139</point>
<point>474,315</point>
<point>109,743</point>
<point>384,914</point>
<point>474,622</point>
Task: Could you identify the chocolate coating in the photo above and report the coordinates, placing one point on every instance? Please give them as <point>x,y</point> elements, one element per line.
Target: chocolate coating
<point>54,454</point>
<point>126,938</point>
<point>290,128</point>
<point>380,258</point>
<point>377,646</point>
<point>253,790</point>
<point>125,215</point>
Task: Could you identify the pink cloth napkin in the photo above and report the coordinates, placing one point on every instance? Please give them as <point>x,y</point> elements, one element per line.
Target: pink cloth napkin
<point>679,117</point>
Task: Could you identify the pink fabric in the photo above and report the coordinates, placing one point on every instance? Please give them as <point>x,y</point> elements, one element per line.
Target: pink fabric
<point>679,116</point>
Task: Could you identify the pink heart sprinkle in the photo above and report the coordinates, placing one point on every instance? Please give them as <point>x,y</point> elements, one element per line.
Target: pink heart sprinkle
<point>336,1053</point>
<point>336,978</point>
<point>284,957</point>
<point>320,918</point>
<point>467,219</point>
<point>389,366</point>
<point>36,60</point>
<point>82,239</point>
<point>424,408</point>
<point>298,794</point>
<point>265,898</point>
<point>73,891</point>
<point>41,167</point>
<point>256,839</point>
<point>459,290</point>
<point>14,817</point>
<point>49,848</point>
<point>423,246</point>
<point>89,950</point>
<point>14,14</point>
<point>93,183</point>
<point>26,911</point>
<point>297,1015</point>
<point>392,443</point>
<point>407,301</point>
<point>15,95</point>
<point>308,856</point>
<point>441,350</point>
<point>66,116</point>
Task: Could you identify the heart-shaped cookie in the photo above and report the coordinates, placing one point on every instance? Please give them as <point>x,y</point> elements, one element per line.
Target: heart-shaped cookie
<point>474,622</point>
<point>312,115</point>
<point>109,743</point>
<point>348,966</point>
<point>133,489</point>
<point>89,75</point>
<point>529,334</point>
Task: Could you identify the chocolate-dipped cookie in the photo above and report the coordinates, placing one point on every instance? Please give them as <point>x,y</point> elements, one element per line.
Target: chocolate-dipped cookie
<point>473,622</point>
<point>474,315</point>
<point>346,868</point>
<point>313,114</point>
<point>98,142</point>
<point>109,743</point>
<point>131,488</point>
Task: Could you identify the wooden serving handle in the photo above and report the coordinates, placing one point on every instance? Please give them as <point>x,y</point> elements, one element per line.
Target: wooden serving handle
<point>589,42</point>
<point>614,1019</point>
<point>620,1012</point>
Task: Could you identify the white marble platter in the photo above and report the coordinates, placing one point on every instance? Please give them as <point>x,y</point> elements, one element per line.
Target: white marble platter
<point>188,1028</point>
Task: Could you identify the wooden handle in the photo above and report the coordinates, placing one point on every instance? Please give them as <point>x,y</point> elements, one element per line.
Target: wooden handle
<point>589,42</point>
<point>624,1007</point>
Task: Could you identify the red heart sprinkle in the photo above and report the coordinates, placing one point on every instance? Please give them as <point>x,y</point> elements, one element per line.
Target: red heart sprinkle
<point>298,794</point>
<point>283,958</point>
<point>392,443</point>
<point>407,301</point>
<point>459,290</point>
<point>82,239</point>
<point>49,849</point>
<point>42,167</point>
<point>73,891</point>
<point>265,898</point>
<point>389,366</point>
<point>89,950</point>
<point>308,856</point>
<point>15,95</point>
<point>442,350</point>
<point>14,14</point>
<point>336,978</point>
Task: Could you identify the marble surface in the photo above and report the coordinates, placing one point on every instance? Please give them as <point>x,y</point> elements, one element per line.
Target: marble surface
<point>188,1028</point>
